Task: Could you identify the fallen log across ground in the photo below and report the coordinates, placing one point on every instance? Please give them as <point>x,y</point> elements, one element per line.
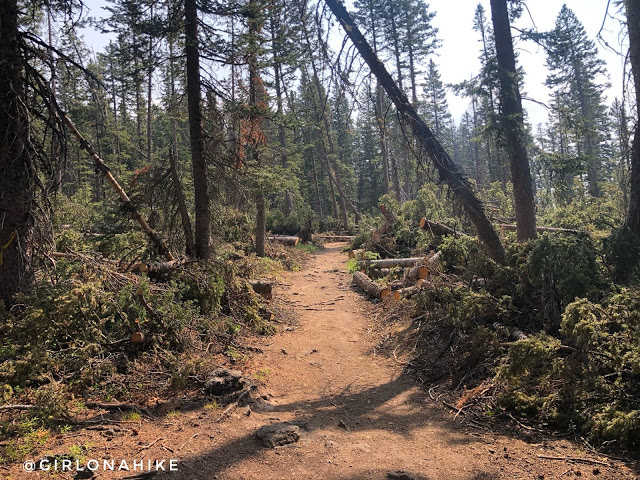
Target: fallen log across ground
<point>284,239</point>
<point>336,238</point>
<point>372,288</point>
<point>392,262</point>
<point>409,292</point>
<point>513,228</point>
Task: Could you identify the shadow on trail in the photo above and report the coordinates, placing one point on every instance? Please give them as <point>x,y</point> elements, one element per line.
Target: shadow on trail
<point>359,410</point>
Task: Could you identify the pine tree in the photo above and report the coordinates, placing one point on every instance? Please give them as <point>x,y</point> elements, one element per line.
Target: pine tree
<point>575,69</point>
<point>436,109</point>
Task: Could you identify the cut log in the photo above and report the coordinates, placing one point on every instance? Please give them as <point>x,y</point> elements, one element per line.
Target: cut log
<point>370,287</point>
<point>263,288</point>
<point>513,228</point>
<point>392,262</point>
<point>438,228</point>
<point>284,239</point>
<point>418,272</point>
<point>336,238</point>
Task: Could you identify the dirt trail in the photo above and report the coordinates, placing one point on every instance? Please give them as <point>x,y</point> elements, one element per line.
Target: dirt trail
<point>364,417</point>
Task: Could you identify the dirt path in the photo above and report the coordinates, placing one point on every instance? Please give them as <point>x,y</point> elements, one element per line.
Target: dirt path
<point>363,418</point>
<point>326,372</point>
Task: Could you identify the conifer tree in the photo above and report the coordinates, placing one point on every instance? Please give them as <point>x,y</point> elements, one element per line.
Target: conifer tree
<point>575,69</point>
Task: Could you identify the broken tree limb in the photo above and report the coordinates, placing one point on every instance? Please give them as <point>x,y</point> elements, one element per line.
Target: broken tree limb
<point>513,228</point>
<point>102,168</point>
<point>438,228</point>
<point>449,173</point>
<point>370,287</point>
<point>262,287</point>
<point>284,239</point>
<point>392,262</point>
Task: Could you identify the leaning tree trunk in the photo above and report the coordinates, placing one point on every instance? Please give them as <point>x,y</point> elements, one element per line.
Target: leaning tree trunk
<point>17,177</point>
<point>196,133</point>
<point>513,122</point>
<point>633,23</point>
<point>448,171</point>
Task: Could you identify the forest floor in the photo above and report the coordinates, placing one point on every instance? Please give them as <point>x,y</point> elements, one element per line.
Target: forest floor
<point>362,417</point>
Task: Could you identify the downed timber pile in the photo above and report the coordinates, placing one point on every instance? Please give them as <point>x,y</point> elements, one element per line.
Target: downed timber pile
<point>372,288</point>
<point>284,239</point>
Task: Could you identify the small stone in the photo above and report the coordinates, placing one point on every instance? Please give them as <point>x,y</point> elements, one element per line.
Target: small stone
<point>278,434</point>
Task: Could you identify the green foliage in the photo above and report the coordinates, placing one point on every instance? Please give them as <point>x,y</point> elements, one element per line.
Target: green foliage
<point>589,377</point>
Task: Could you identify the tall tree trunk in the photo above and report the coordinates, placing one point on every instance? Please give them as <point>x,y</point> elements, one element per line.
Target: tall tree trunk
<point>448,171</point>
<point>196,133</point>
<point>190,244</point>
<point>633,23</point>
<point>277,74</point>
<point>513,121</point>
<point>17,191</point>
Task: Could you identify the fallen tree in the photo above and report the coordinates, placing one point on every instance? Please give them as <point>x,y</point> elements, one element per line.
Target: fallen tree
<point>336,238</point>
<point>372,288</point>
<point>392,262</point>
<point>449,173</point>
<point>513,228</point>
<point>135,213</point>
<point>284,239</point>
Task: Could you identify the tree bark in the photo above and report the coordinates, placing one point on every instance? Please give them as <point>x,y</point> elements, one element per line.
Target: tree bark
<point>513,121</point>
<point>17,186</point>
<point>370,287</point>
<point>633,23</point>
<point>449,172</point>
<point>196,133</point>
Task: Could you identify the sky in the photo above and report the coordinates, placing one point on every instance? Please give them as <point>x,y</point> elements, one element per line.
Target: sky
<point>457,58</point>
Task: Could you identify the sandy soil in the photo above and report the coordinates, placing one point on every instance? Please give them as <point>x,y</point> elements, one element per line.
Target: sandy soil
<point>363,417</point>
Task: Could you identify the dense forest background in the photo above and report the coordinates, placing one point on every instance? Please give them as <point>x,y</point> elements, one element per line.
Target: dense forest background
<point>221,121</point>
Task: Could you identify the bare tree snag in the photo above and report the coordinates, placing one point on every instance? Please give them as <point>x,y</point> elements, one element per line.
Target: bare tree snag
<point>287,240</point>
<point>372,288</point>
<point>102,167</point>
<point>448,171</point>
